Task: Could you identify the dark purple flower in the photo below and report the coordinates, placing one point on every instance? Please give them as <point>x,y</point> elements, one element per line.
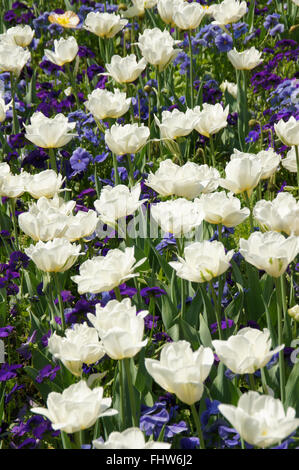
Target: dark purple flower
<point>47,372</point>
<point>189,443</point>
<point>6,331</point>
<point>66,296</point>
<point>148,292</point>
<point>8,371</point>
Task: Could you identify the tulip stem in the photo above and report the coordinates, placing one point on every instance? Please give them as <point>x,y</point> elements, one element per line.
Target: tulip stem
<point>12,203</point>
<point>252,382</point>
<point>53,160</point>
<point>15,122</point>
<point>217,309</point>
<point>60,303</point>
<point>281,353</point>
<point>117,294</point>
<point>73,83</point>
<point>198,426</point>
<point>131,172</point>
<point>191,70</point>
<point>131,392</point>
<point>212,150</point>
<point>297,161</point>
<point>65,440</point>
<point>158,78</point>
<point>264,382</point>
<point>220,233</point>
<point>122,394</point>
<point>78,436</point>
<point>116,175</point>
<point>246,197</point>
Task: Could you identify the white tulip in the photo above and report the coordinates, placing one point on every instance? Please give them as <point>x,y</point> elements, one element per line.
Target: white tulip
<point>247,351</point>
<point>166,9</point>
<point>220,208</point>
<point>104,273</point>
<point>125,69</point>
<point>13,58</point>
<point>186,181</point>
<point>260,419</point>
<point>176,123</point>
<point>49,132</point>
<point>20,35</point>
<point>188,15</point>
<point>203,261</point>
<point>81,225</point>
<point>294,312</point>
<point>76,408</point>
<point>228,11</point>
<point>138,8</point>
<point>242,174</point>
<point>65,51</point>
<point>232,88</point>
<point>269,251</point>
<point>3,108</point>
<point>42,225</point>
<point>129,138</point>
<point>13,185</point>
<point>105,104</point>
<point>131,438</point>
<point>47,183</point>
<point>57,255</point>
<point>157,47</point>
<point>288,131</point>
<point>211,119</point>
<point>104,25</point>
<point>117,202</point>
<point>79,345</point>
<point>290,162</point>
<point>119,328</point>
<point>268,159</point>
<point>246,60</point>
<point>279,215</point>
<point>182,371</point>
<point>178,217</point>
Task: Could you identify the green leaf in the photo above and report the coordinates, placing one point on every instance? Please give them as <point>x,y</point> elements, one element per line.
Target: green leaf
<point>188,333</point>
<point>204,333</point>
<point>169,311</point>
<point>250,16</point>
<point>292,389</point>
<point>143,381</point>
<point>223,389</point>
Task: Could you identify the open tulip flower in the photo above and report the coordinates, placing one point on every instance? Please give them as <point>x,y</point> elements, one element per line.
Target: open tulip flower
<point>181,370</point>
<point>104,24</point>
<point>203,261</point>
<point>104,273</point>
<point>49,132</point>
<point>131,438</point>
<point>269,251</point>
<point>79,345</point>
<point>260,419</point>
<point>247,351</point>
<point>76,408</point>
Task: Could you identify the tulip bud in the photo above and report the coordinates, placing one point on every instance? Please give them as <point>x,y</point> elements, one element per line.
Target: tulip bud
<point>147,88</point>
